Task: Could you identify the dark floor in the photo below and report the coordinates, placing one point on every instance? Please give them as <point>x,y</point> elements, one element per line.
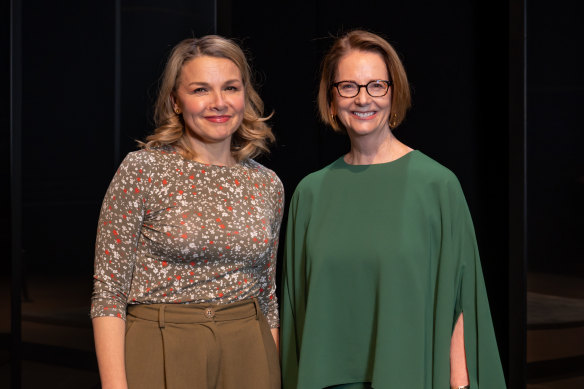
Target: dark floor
<point>42,375</point>
<point>555,335</point>
<point>56,334</point>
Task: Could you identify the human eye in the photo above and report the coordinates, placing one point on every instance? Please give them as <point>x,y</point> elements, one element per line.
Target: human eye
<point>377,85</point>
<point>377,88</point>
<point>232,88</point>
<point>347,86</point>
<point>200,91</point>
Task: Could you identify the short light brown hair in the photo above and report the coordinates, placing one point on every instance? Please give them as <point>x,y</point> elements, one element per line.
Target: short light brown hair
<point>252,136</point>
<point>364,41</point>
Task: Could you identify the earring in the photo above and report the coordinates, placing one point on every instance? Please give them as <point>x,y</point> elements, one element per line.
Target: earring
<point>393,123</point>
<point>177,110</point>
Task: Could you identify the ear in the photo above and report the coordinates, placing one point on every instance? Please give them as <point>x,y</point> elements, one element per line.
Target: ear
<point>173,101</point>
<point>332,117</point>
<point>332,109</point>
<point>175,106</point>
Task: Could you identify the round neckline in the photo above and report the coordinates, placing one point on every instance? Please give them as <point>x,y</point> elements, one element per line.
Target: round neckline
<point>237,164</point>
<point>395,161</point>
<point>210,165</point>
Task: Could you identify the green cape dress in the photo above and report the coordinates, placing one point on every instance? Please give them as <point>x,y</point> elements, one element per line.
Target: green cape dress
<point>380,260</point>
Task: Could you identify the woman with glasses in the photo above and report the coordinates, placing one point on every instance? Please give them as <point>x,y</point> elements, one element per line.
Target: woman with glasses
<point>184,282</point>
<point>382,280</point>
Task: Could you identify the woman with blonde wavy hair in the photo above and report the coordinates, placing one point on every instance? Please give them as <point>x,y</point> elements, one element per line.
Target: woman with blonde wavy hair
<point>184,282</point>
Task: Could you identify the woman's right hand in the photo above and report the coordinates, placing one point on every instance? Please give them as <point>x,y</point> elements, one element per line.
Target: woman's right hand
<point>109,334</point>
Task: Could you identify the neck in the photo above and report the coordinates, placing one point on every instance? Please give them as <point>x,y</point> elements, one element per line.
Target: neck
<point>213,153</point>
<point>368,150</point>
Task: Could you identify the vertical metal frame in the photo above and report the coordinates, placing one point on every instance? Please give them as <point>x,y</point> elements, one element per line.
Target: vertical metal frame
<point>15,190</point>
<point>517,193</point>
<point>117,82</point>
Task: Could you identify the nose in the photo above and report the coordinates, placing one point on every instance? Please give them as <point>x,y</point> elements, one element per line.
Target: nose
<point>362,97</point>
<point>218,102</point>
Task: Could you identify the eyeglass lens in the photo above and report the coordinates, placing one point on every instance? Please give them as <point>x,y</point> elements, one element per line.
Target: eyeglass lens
<point>351,89</point>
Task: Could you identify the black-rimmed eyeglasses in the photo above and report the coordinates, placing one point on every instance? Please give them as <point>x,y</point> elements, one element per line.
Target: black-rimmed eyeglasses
<point>375,88</point>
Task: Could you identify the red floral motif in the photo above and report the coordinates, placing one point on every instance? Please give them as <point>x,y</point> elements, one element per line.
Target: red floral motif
<point>141,251</point>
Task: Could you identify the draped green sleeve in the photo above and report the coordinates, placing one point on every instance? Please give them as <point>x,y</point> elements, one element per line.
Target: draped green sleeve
<point>482,354</point>
<point>293,287</point>
<point>379,262</point>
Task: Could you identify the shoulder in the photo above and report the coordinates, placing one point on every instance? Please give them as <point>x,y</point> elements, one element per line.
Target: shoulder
<point>311,182</point>
<point>430,172</point>
<point>153,164</point>
<point>427,167</point>
<point>147,157</point>
<point>264,174</point>
<point>434,179</point>
<point>308,189</point>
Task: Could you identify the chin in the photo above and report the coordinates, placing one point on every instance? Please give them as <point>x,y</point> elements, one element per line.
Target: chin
<point>362,130</point>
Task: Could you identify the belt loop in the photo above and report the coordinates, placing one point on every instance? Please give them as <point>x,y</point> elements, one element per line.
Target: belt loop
<point>161,315</point>
<point>257,307</point>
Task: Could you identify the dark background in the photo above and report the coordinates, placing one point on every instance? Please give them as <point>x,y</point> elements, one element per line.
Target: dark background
<point>89,81</point>
<point>555,93</point>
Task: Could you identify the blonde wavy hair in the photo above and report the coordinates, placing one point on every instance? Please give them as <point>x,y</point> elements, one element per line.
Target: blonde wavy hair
<point>363,41</point>
<point>252,136</point>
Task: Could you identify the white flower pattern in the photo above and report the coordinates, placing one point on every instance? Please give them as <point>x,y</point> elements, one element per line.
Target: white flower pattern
<point>173,230</point>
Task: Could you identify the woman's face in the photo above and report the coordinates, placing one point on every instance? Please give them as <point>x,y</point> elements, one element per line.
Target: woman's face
<point>362,115</point>
<point>211,97</point>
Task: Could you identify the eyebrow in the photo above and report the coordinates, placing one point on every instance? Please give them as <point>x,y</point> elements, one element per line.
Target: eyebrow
<point>373,79</point>
<point>206,84</point>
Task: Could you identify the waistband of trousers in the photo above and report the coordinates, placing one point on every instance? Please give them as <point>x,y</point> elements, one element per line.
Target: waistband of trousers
<point>195,313</point>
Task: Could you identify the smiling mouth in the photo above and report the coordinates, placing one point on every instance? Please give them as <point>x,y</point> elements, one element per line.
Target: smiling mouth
<point>364,115</point>
<point>218,119</point>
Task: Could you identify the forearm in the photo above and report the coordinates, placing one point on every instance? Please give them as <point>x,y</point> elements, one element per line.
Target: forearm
<point>109,334</point>
<point>458,370</point>
<point>276,335</point>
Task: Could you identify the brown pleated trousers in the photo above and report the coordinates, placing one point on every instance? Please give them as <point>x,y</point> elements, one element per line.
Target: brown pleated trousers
<point>200,346</point>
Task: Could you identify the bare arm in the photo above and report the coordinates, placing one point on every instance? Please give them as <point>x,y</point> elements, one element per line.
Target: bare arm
<point>276,335</point>
<point>458,371</point>
<point>109,334</point>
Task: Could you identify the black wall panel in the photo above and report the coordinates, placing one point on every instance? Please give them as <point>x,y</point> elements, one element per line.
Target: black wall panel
<point>149,30</point>
<point>555,159</point>
<point>66,130</point>
<point>68,115</point>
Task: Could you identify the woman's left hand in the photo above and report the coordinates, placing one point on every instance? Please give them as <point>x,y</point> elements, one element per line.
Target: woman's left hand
<point>276,335</point>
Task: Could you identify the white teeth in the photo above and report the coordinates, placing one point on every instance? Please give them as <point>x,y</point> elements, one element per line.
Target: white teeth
<point>363,114</point>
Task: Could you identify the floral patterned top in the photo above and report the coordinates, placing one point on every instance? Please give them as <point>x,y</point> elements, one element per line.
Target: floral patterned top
<point>172,230</point>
